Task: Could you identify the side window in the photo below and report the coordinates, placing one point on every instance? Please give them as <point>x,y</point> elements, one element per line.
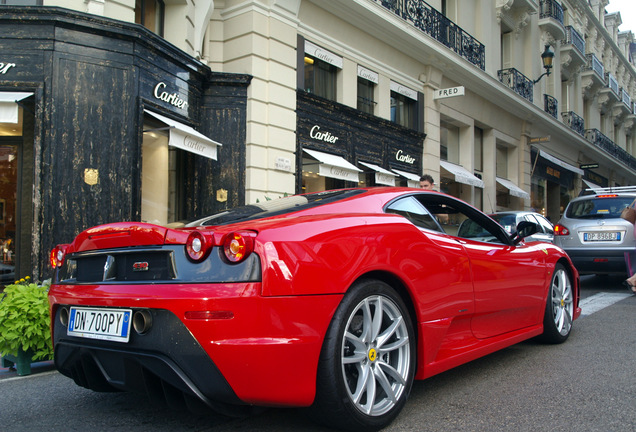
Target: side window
<point>545,224</point>
<point>531,218</point>
<point>414,211</point>
<point>461,220</point>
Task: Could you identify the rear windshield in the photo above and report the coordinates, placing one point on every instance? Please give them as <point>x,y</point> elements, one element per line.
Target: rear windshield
<point>598,208</point>
<point>275,207</point>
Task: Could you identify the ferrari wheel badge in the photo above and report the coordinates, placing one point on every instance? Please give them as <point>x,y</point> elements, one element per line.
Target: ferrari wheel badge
<point>373,354</point>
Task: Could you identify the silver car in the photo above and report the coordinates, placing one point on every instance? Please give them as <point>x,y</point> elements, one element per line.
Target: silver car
<point>510,219</point>
<point>593,234</point>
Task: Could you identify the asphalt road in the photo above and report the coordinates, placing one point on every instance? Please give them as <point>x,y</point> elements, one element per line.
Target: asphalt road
<point>586,384</point>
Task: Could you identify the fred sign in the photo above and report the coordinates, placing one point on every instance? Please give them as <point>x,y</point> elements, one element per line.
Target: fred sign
<point>449,92</point>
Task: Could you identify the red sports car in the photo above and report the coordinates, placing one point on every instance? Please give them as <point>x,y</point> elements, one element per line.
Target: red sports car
<point>334,300</point>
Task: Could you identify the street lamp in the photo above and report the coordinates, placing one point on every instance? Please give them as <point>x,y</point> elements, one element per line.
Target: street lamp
<point>546,58</point>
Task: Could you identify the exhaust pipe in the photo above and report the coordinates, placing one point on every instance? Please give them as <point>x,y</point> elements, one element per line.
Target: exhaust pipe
<point>142,321</point>
<point>64,316</point>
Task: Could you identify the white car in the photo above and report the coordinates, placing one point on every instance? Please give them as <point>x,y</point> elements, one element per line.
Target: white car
<point>510,219</point>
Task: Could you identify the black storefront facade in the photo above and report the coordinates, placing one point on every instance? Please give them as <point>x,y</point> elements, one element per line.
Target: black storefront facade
<point>95,98</point>
<point>345,147</point>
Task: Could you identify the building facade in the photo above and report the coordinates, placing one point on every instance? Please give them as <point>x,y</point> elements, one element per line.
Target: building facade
<point>304,95</point>
<point>469,76</point>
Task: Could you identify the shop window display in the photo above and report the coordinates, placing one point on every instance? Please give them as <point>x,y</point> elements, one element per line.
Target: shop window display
<point>160,180</point>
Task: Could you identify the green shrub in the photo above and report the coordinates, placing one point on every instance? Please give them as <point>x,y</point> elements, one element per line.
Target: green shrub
<point>25,320</point>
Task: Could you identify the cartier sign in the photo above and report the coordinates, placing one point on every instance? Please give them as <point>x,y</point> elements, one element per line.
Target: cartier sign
<point>171,98</point>
<point>4,67</point>
<point>403,157</point>
<point>317,134</point>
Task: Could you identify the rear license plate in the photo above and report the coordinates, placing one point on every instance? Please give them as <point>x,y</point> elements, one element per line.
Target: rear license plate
<point>104,324</point>
<point>602,236</point>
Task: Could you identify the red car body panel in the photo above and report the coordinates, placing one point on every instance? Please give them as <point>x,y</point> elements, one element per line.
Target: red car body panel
<point>468,298</point>
<point>264,337</point>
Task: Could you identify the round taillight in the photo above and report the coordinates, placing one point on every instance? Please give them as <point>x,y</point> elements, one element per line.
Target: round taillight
<point>57,256</point>
<point>238,245</point>
<point>198,246</point>
<point>560,230</point>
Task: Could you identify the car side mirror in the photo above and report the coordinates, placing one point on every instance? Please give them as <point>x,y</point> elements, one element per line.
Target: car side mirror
<point>524,229</point>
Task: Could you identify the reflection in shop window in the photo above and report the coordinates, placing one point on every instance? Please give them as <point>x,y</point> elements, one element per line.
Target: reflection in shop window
<point>313,182</point>
<point>320,77</point>
<point>8,189</point>
<point>538,195</point>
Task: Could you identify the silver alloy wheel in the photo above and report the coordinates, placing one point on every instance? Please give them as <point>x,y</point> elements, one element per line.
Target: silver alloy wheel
<point>376,355</point>
<point>562,301</point>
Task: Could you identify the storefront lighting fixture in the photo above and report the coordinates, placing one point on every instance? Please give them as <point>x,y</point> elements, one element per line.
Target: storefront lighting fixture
<point>309,60</point>
<point>546,58</point>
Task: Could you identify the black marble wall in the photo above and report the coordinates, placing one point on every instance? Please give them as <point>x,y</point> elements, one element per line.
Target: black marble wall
<point>360,136</point>
<point>92,78</point>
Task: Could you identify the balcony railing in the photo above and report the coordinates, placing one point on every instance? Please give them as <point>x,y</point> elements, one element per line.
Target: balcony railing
<point>551,105</point>
<point>551,9</point>
<point>594,64</point>
<point>572,37</point>
<point>626,99</point>
<point>521,84</point>
<point>433,23</point>
<point>612,83</point>
<point>574,122</point>
<point>601,141</point>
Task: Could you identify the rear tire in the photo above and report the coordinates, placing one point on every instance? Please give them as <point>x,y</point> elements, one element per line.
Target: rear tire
<point>559,307</point>
<point>367,362</point>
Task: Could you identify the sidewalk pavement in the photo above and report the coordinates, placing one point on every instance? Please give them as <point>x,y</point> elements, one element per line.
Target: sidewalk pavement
<point>37,367</point>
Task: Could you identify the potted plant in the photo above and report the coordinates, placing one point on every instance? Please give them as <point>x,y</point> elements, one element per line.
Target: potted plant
<point>25,333</point>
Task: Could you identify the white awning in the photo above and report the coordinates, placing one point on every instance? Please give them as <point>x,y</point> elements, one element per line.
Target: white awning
<point>560,163</point>
<point>461,174</point>
<point>413,180</point>
<point>333,166</point>
<point>9,106</point>
<point>595,188</point>
<point>513,189</point>
<point>188,139</point>
<point>382,176</point>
